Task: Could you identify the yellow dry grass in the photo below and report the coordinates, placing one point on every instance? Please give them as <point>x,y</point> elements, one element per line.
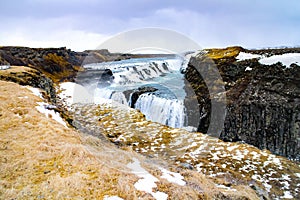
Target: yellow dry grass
<point>16,69</point>
<point>223,53</point>
<point>42,159</point>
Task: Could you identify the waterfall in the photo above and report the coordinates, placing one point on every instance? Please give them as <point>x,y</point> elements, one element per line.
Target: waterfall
<point>103,93</point>
<point>119,97</point>
<point>137,70</point>
<point>126,76</point>
<point>166,111</point>
<point>109,94</point>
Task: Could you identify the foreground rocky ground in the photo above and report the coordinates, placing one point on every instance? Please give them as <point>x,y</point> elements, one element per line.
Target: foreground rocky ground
<point>230,165</point>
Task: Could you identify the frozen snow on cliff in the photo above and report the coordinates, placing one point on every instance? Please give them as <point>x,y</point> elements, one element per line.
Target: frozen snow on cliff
<point>286,59</point>
<point>247,56</point>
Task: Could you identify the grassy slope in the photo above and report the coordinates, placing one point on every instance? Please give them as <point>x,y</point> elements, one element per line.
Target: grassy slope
<point>232,164</point>
<point>41,159</point>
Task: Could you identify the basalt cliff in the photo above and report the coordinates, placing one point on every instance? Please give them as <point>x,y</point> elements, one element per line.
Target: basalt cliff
<point>262,99</point>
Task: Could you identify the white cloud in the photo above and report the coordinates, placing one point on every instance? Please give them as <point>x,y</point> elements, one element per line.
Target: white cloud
<point>75,40</point>
<point>54,32</point>
<point>199,27</point>
<point>210,23</point>
<point>220,29</point>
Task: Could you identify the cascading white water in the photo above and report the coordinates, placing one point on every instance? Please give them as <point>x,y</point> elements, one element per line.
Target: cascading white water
<point>119,97</point>
<point>138,70</point>
<point>166,111</point>
<point>133,73</point>
<point>109,94</point>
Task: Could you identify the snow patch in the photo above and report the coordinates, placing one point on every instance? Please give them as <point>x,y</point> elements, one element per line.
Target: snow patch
<point>225,187</point>
<point>286,59</point>
<point>42,108</point>
<point>286,184</point>
<point>287,195</point>
<point>286,177</point>
<point>248,69</point>
<point>230,148</point>
<point>74,93</point>
<point>239,155</point>
<point>4,67</point>
<point>267,186</point>
<point>112,198</point>
<point>173,177</point>
<point>247,56</point>
<point>255,155</point>
<point>35,91</point>
<point>147,181</point>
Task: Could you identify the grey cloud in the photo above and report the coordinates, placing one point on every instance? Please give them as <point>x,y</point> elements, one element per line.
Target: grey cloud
<point>211,22</point>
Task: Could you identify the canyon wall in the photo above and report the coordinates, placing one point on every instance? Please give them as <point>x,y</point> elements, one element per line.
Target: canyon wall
<point>263,101</point>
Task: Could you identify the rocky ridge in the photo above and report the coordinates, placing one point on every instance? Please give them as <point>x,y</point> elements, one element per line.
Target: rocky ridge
<point>230,165</point>
<point>60,64</point>
<point>262,100</point>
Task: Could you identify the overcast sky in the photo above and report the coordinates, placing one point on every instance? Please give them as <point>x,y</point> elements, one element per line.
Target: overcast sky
<point>84,24</point>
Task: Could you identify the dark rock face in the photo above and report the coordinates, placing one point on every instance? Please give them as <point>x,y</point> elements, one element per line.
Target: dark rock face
<point>101,78</point>
<point>263,105</point>
<point>59,64</point>
<point>106,78</point>
<point>32,78</point>
<point>136,93</point>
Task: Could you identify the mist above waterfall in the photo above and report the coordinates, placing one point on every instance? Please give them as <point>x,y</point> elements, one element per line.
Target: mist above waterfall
<point>162,101</point>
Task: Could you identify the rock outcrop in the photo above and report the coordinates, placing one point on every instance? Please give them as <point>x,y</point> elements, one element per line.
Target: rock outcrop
<point>263,101</point>
<point>134,95</point>
<point>28,76</point>
<point>60,64</point>
<point>238,164</point>
<point>57,63</point>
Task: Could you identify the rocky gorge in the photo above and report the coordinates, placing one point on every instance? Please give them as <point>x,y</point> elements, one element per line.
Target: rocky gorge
<point>262,106</point>
<point>262,109</point>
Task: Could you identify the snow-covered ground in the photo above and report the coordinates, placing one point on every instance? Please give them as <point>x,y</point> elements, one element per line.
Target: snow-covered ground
<point>286,59</point>
<point>112,198</point>
<point>172,177</point>
<point>3,67</point>
<point>35,91</point>
<point>147,181</point>
<point>72,93</point>
<point>247,56</point>
<point>45,108</point>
